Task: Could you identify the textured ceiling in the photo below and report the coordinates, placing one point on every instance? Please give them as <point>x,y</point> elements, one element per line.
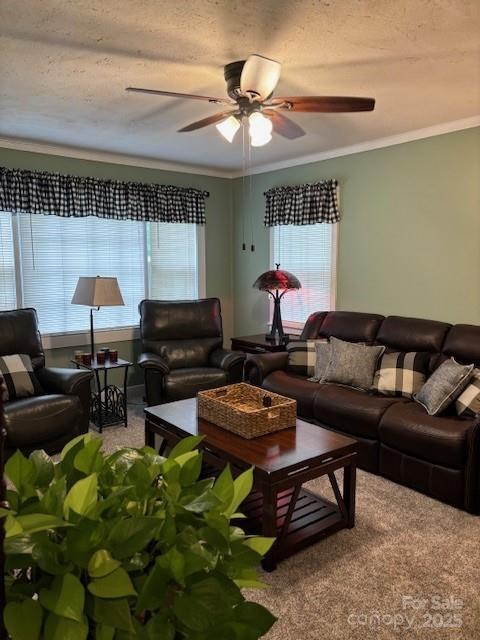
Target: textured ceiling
<point>64,65</point>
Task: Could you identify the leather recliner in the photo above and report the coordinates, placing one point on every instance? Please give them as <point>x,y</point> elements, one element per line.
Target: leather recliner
<point>437,455</point>
<point>182,349</point>
<point>49,420</point>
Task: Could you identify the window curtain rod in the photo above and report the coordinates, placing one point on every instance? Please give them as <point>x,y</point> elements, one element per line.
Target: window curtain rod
<point>24,191</point>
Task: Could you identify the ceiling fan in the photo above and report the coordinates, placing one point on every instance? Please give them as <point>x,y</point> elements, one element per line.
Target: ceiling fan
<point>250,86</point>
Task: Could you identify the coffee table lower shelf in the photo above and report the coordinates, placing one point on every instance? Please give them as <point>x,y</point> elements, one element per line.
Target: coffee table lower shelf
<point>298,525</point>
<point>279,506</point>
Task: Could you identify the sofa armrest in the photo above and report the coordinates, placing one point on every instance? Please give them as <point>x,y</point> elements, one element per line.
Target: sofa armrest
<point>224,359</point>
<point>258,367</point>
<point>69,382</point>
<point>150,360</point>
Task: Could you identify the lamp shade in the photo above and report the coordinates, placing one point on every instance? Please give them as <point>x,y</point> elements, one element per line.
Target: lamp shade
<point>98,292</point>
<point>277,280</point>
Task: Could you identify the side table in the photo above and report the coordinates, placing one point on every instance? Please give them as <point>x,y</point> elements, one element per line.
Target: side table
<point>109,403</point>
<point>259,344</point>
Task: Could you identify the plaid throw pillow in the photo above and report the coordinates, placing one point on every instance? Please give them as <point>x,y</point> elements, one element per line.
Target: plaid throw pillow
<point>468,402</point>
<point>20,380</point>
<point>302,357</point>
<point>401,374</point>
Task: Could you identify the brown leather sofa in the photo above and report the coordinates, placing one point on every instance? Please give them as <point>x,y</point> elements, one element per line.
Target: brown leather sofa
<point>440,455</point>
<point>47,421</point>
<point>182,349</point>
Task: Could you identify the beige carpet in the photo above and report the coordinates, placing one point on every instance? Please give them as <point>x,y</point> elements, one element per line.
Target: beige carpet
<point>386,578</point>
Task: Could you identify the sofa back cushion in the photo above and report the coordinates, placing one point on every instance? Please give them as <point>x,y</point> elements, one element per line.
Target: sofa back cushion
<point>312,326</point>
<point>351,326</point>
<point>412,334</point>
<point>463,343</point>
<point>19,334</point>
<point>182,332</point>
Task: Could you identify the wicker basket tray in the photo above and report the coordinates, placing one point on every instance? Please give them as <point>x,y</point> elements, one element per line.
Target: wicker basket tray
<point>239,408</point>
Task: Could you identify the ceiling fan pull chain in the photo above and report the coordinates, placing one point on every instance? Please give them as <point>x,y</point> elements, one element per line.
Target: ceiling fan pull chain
<point>250,192</point>
<point>244,245</point>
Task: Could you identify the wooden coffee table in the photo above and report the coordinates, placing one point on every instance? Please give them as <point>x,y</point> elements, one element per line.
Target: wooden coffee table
<point>278,506</point>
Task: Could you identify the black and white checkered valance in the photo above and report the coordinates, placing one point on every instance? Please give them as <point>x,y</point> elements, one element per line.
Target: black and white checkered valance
<point>302,204</point>
<point>24,191</point>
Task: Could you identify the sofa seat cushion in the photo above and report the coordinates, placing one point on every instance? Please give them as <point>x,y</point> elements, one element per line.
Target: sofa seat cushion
<point>186,383</point>
<point>40,419</point>
<point>440,440</point>
<point>350,410</point>
<point>292,386</point>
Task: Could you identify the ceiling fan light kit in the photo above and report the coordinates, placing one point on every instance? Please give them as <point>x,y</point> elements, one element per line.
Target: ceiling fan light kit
<point>250,86</point>
<point>260,129</point>
<point>229,127</point>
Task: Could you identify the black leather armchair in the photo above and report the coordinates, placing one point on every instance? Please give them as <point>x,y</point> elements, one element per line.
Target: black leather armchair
<point>47,421</point>
<point>182,350</point>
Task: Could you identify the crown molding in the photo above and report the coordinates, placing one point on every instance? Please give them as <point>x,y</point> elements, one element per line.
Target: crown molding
<point>379,143</point>
<point>19,144</point>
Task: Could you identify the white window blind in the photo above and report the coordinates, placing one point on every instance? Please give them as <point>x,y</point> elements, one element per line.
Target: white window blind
<point>7,264</point>
<point>42,257</point>
<point>173,261</point>
<point>66,248</point>
<point>309,252</point>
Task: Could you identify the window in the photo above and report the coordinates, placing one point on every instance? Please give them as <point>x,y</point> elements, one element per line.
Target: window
<point>150,260</point>
<point>7,263</point>
<point>309,252</point>
<point>173,261</point>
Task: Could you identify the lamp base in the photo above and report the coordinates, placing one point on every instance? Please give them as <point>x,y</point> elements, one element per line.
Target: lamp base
<point>277,327</point>
<point>281,340</point>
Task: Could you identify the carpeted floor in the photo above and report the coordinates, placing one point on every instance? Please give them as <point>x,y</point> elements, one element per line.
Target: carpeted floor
<point>409,569</point>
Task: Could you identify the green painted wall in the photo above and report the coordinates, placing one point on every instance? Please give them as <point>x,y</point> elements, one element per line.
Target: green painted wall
<point>409,238</point>
<point>218,230</point>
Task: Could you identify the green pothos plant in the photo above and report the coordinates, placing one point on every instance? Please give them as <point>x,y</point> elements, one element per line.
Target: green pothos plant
<point>128,546</point>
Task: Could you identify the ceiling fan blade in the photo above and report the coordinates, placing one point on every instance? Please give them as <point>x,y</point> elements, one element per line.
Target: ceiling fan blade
<point>325,104</point>
<point>172,94</point>
<point>259,76</point>
<point>283,125</point>
<point>205,122</point>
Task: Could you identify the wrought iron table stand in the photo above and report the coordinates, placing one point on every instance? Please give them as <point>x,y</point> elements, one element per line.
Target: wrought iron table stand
<point>109,402</point>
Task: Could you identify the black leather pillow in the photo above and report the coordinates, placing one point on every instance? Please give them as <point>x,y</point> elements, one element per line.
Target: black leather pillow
<point>20,381</point>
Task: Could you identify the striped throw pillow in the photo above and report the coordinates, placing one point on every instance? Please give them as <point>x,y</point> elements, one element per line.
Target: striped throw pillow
<point>468,402</point>
<point>20,380</point>
<point>302,357</point>
<point>401,374</point>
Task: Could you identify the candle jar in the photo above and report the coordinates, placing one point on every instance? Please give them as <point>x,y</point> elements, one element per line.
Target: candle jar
<point>113,355</point>
<point>87,359</point>
<point>100,357</point>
